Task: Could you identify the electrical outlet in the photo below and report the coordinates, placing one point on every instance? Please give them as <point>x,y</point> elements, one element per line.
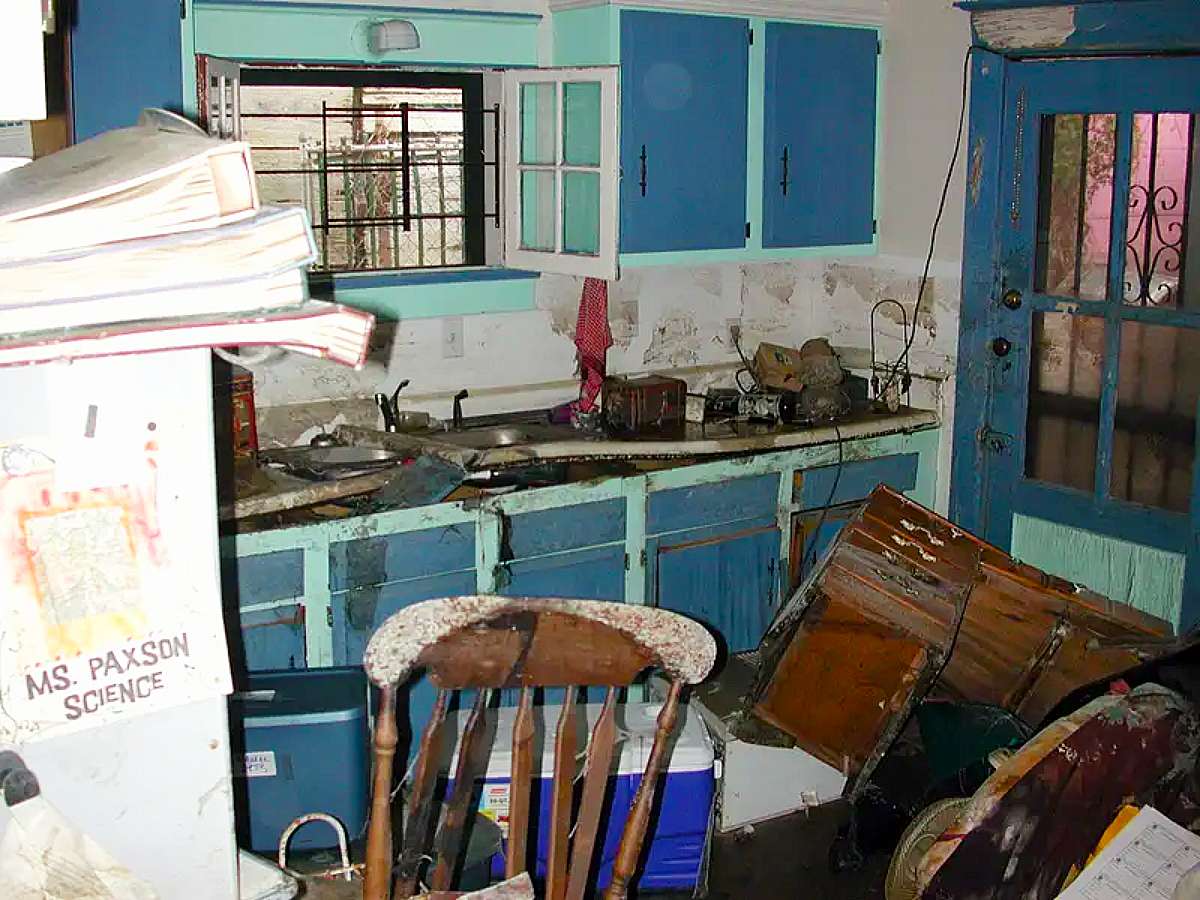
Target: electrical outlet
<point>733,328</point>
<point>452,337</point>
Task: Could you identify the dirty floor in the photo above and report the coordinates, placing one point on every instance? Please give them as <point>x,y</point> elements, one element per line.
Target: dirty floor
<point>784,858</point>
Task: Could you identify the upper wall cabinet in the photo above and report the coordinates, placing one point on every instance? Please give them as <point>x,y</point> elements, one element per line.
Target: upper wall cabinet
<point>125,56</point>
<point>819,135</point>
<point>683,131</point>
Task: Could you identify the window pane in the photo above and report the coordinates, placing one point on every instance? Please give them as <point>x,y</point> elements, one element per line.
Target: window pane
<point>581,213</point>
<point>1075,187</point>
<point>1154,441</point>
<point>1157,236</point>
<point>1064,399</point>
<point>539,122</point>
<point>537,210</point>
<point>581,123</point>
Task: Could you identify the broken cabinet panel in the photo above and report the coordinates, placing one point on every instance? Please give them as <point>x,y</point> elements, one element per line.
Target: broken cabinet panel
<point>904,600</point>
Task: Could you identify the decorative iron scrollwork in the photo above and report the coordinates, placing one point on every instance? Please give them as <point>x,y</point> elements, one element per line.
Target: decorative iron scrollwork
<point>1154,253</point>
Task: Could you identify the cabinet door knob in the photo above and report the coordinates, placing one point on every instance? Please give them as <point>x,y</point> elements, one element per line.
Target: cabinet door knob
<point>1001,346</point>
<point>1011,298</point>
<point>642,180</point>
<point>784,181</point>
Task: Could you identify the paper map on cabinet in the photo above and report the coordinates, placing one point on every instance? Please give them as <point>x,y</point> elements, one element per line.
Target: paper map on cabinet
<point>101,615</point>
<point>1145,861</point>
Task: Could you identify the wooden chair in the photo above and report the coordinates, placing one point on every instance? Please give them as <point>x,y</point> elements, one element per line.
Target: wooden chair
<point>487,642</point>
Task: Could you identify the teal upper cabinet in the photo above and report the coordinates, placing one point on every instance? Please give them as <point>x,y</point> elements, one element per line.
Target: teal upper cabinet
<point>819,135</point>
<point>683,131</point>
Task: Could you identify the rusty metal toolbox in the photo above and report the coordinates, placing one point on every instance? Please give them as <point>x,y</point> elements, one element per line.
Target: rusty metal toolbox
<point>651,401</point>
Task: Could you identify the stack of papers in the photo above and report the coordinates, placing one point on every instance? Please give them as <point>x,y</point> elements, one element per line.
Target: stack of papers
<point>1145,861</point>
<point>152,238</point>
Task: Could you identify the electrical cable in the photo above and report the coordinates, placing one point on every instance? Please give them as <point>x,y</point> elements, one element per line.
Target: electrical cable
<point>748,367</point>
<point>937,220</point>
<point>837,477</point>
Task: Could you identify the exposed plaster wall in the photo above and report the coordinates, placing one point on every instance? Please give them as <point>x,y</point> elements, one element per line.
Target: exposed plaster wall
<point>674,319</point>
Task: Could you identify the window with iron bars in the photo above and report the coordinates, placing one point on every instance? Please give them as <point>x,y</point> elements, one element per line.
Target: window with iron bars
<point>396,168</point>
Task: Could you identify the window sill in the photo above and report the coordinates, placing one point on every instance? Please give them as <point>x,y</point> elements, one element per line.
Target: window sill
<point>437,292</point>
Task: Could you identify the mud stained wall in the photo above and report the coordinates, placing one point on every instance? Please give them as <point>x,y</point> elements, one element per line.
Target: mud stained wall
<point>676,319</point>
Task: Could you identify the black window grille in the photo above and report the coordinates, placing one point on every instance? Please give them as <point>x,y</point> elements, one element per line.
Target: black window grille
<point>390,165</point>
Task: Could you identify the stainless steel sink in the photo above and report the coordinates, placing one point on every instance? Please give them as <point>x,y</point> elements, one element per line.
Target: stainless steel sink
<point>503,436</point>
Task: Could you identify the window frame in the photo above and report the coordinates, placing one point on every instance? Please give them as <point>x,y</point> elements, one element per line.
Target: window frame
<point>605,263</point>
<point>470,83</point>
<point>218,73</point>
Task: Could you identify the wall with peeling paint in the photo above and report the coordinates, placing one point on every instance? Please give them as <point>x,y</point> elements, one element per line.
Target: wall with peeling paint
<point>675,319</point>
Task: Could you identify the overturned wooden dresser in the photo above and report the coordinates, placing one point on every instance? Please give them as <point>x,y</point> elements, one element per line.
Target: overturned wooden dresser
<point>904,601</point>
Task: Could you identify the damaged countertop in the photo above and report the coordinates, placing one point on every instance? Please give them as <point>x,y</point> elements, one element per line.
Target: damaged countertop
<point>265,492</point>
<point>684,442</point>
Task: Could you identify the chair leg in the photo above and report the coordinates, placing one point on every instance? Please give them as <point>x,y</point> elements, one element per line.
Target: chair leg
<point>378,881</point>
<point>630,847</point>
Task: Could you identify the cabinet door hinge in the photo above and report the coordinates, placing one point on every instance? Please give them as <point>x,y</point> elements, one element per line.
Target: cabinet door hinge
<point>874,226</point>
<point>750,31</point>
<point>747,229</point>
<point>878,47</point>
<point>183,9</point>
<point>626,562</point>
<point>329,616</point>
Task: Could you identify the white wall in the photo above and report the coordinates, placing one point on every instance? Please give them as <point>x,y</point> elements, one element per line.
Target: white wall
<point>674,318</point>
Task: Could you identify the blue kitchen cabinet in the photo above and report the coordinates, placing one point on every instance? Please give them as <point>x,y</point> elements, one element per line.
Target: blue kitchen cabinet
<point>828,498</point>
<point>712,554</point>
<point>726,577</point>
<point>258,592</point>
<point>683,131</point>
<point>126,55</point>
<point>372,577</point>
<point>819,135</point>
<point>573,551</point>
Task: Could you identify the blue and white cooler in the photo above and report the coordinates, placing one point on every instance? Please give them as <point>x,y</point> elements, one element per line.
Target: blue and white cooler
<point>677,858</point>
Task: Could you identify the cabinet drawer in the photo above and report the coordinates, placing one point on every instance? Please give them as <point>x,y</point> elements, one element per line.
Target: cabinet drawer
<point>753,497</point>
<point>857,480</point>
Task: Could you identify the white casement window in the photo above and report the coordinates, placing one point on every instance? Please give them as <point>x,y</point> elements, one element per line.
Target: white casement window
<point>426,170</point>
<point>561,171</point>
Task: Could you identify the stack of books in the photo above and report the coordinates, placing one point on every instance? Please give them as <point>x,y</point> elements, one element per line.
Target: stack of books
<point>153,238</point>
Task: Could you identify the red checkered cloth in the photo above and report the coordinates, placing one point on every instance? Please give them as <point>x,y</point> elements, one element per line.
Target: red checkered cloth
<point>592,340</point>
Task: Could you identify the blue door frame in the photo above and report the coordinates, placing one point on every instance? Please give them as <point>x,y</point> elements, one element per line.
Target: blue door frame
<point>1009,92</point>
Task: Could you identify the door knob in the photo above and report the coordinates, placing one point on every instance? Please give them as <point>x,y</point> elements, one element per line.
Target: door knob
<point>1001,346</point>
<point>1011,298</point>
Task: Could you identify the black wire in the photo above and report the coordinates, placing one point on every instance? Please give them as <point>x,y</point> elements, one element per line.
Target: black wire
<point>737,345</point>
<point>837,476</point>
<point>937,220</point>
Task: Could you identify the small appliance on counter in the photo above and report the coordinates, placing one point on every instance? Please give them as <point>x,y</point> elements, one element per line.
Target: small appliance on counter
<point>650,401</point>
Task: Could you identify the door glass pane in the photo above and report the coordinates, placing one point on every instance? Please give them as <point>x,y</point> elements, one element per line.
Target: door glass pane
<point>581,212</point>
<point>1158,234</point>
<point>539,123</point>
<point>1075,185</point>
<point>581,123</point>
<point>1064,399</point>
<point>537,210</point>
<point>1154,439</point>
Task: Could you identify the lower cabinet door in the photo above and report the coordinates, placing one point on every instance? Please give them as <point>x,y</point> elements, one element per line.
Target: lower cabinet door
<point>729,580</point>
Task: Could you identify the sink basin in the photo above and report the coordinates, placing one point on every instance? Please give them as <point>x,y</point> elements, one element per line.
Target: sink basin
<point>508,435</point>
<point>503,436</point>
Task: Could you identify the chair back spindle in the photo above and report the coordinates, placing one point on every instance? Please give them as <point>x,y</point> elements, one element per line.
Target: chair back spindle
<point>483,643</point>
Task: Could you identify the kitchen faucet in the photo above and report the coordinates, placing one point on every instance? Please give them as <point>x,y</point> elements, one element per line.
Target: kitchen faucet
<point>458,416</point>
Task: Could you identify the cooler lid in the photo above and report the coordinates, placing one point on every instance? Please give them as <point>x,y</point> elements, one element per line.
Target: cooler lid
<point>302,697</point>
<point>693,750</point>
